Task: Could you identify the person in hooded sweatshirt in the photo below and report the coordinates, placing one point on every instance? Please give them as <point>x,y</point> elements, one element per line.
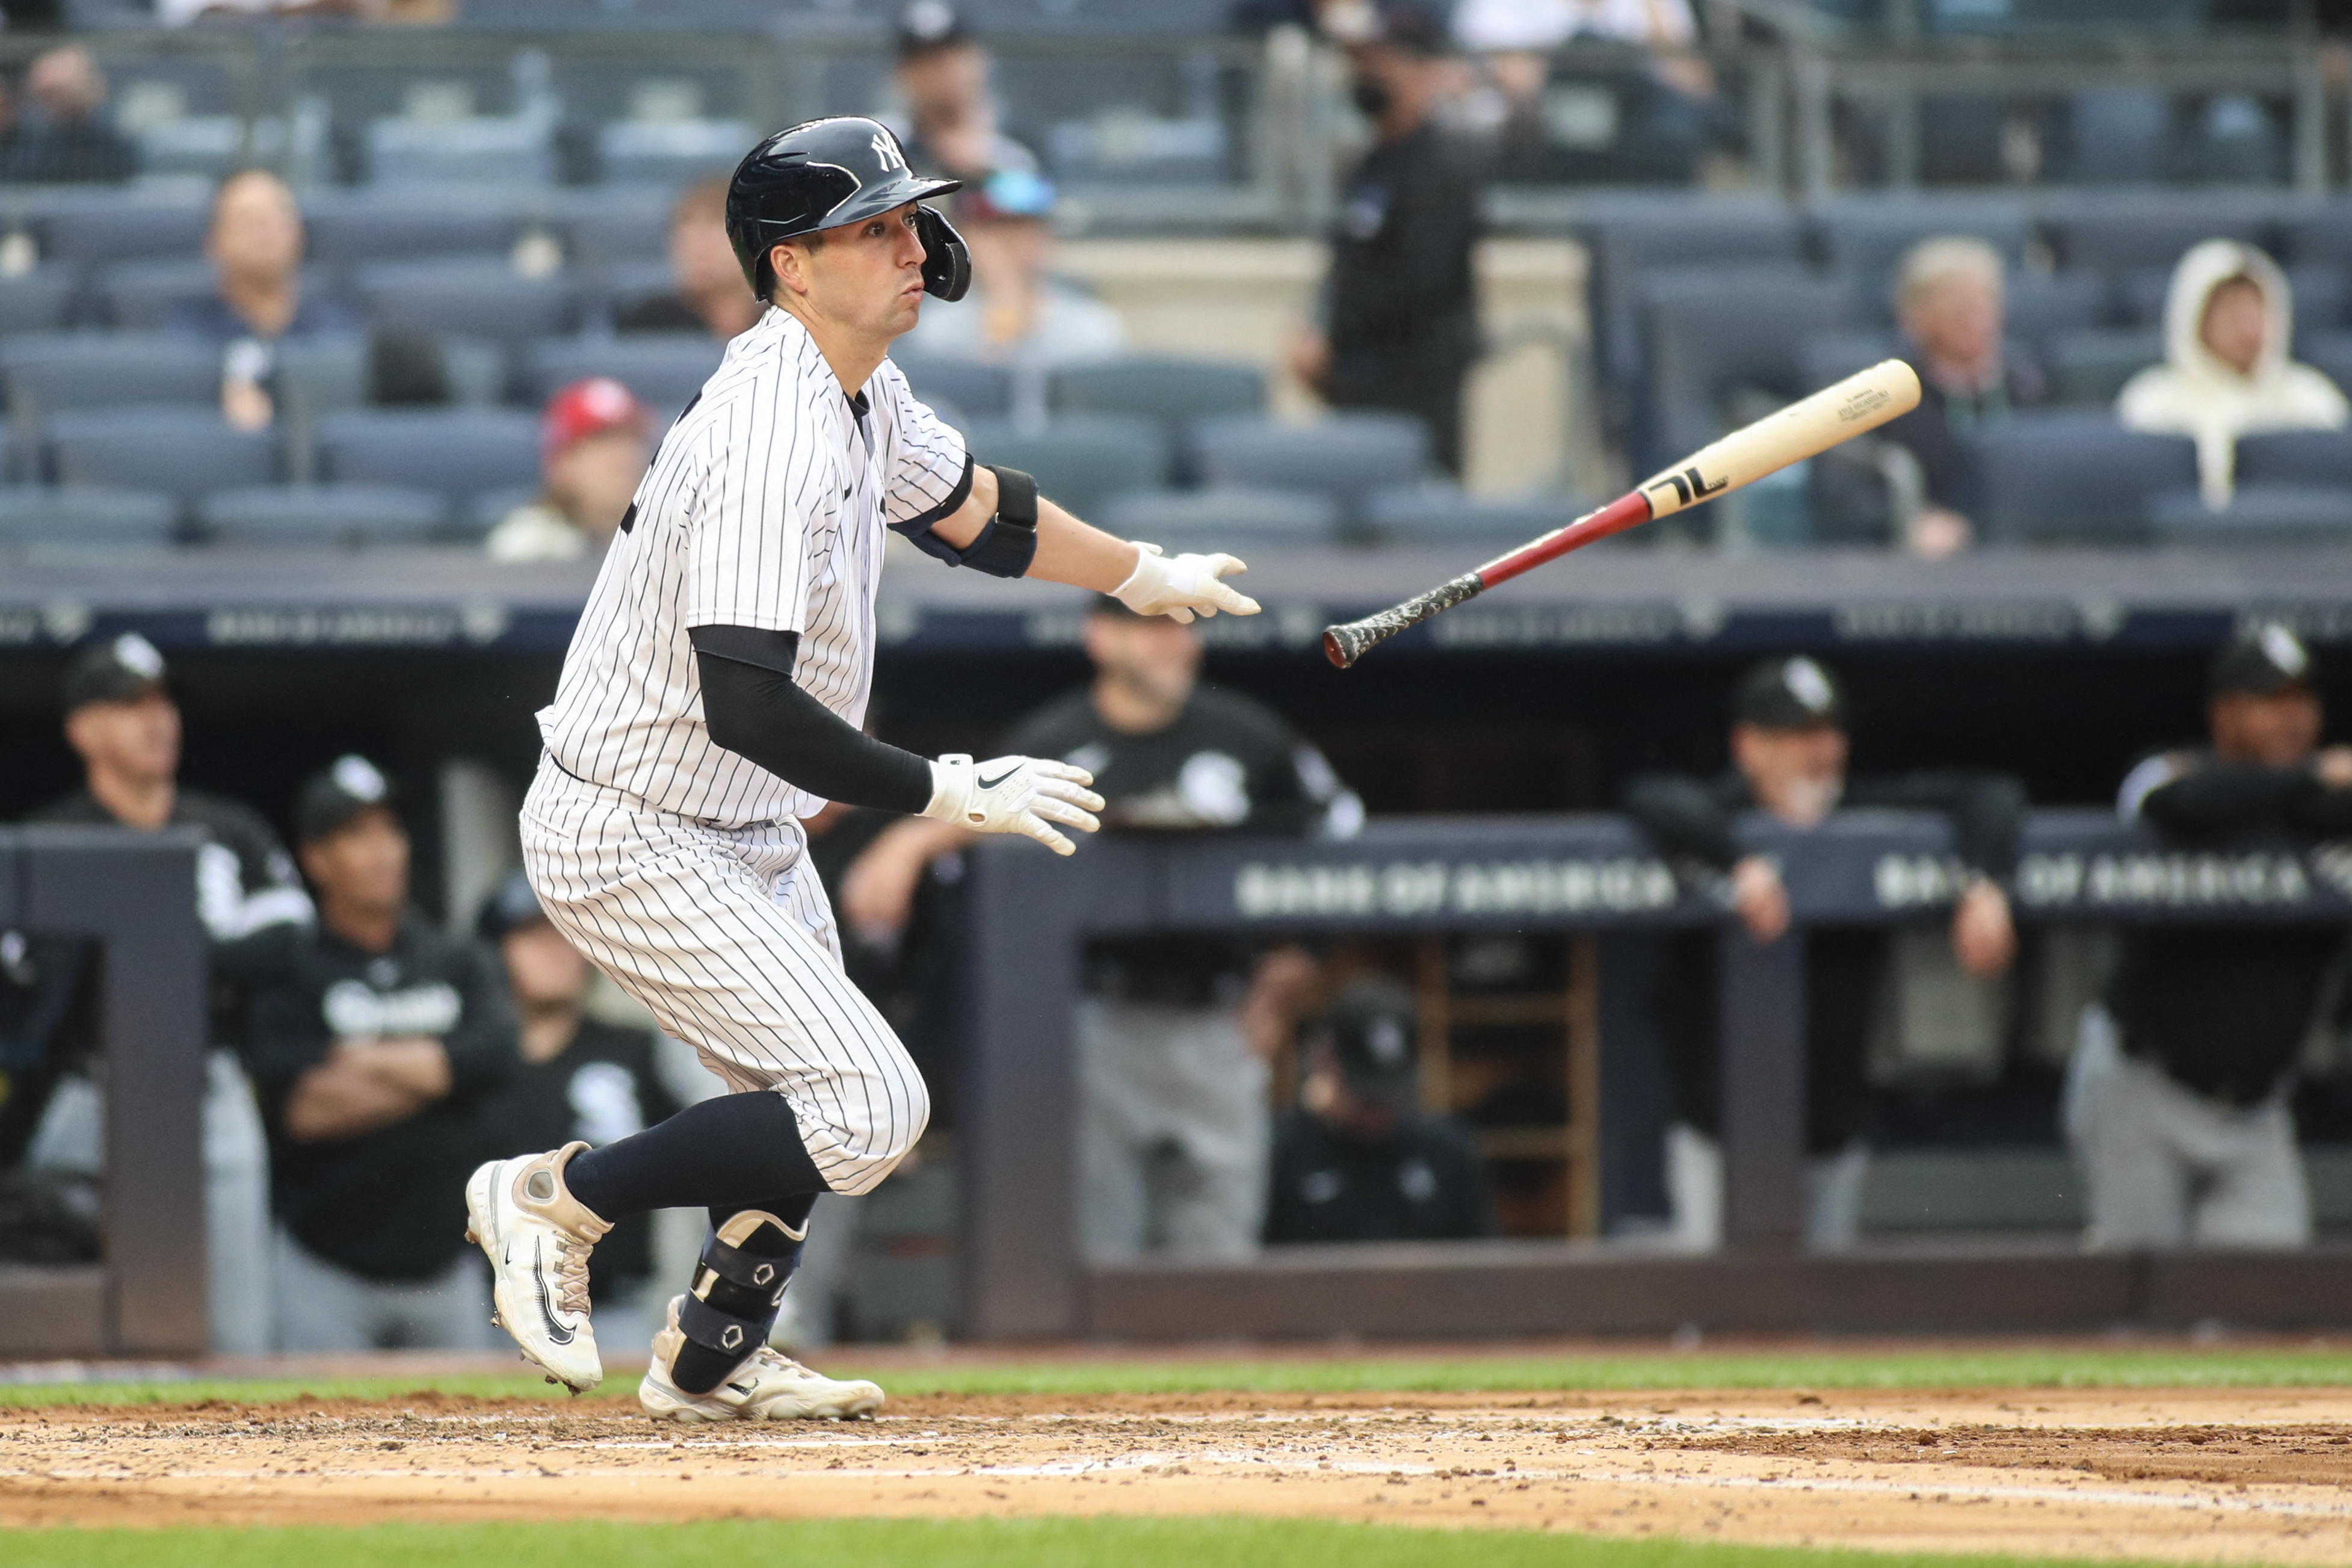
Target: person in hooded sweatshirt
<point>2228,322</point>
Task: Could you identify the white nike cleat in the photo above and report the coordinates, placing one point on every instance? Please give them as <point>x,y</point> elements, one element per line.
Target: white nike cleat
<point>537,1237</point>
<point>769,1386</point>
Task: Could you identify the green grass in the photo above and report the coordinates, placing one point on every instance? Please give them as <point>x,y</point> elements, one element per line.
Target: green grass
<point>2020,1366</point>
<point>910,1543</point>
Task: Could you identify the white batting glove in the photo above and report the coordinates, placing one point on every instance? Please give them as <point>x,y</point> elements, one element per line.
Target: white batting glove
<point>1183,586</point>
<point>1014,794</point>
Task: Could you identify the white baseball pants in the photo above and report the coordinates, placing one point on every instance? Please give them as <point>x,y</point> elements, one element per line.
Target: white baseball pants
<point>725,935</point>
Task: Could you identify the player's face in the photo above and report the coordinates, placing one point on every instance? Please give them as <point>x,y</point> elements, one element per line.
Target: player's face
<point>2278,730</point>
<point>545,970</point>
<point>1795,775</point>
<point>363,865</point>
<point>138,740</point>
<point>866,277</point>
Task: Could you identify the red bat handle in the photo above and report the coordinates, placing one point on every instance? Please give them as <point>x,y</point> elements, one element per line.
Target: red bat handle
<point>1344,645</point>
<point>1628,510</point>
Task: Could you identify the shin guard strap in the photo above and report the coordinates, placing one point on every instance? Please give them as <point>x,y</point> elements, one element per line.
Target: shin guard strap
<point>760,1275</point>
<point>723,1332</point>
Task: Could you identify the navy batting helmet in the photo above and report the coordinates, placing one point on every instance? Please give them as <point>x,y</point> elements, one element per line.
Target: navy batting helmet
<point>826,172</point>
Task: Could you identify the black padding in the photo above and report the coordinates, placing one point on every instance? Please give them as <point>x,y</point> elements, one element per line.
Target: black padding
<point>725,1333</point>
<point>761,1274</point>
<point>946,262</point>
<point>1008,543</point>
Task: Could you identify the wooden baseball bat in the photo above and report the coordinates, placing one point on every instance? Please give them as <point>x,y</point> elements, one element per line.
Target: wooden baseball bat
<point>1862,401</point>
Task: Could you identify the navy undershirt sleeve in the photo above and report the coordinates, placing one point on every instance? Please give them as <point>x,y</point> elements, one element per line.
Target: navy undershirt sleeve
<point>755,708</point>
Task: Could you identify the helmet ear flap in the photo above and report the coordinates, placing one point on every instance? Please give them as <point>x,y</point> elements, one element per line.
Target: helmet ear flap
<point>946,263</point>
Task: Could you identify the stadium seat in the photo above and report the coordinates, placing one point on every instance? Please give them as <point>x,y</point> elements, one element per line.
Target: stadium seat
<point>1164,387</point>
<point>982,391</point>
<point>138,296</point>
<point>1440,512</point>
<point>1864,238</point>
<point>475,520</point>
<point>666,369</point>
<point>183,452</point>
<point>86,514</point>
<point>1345,456</point>
<point>1713,337</point>
<point>322,514</point>
<point>2317,236</point>
<point>671,151</point>
<point>620,225</point>
<point>47,372</point>
<point>476,297</point>
<point>2076,477</point>
<point>1833,358</point>
<point>2121,135</point>
<point>2306,458</point>
<point>2091,367</point>
<point>1628,236</point>
<point>483,149</point>
<point>1223,518</point>
<point>354,228</point>
<point>1080,461</point>
<point>2257,515</point>
<point>36,302</point>
<point>2119,237</point>
<point>2329,354</point>
<point>122,228</point>
<point>458,453</point>
<point>2039,305</point>
<point>622,283</point>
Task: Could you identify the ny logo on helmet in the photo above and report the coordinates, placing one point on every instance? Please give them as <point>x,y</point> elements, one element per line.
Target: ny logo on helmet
<point>886,148</point>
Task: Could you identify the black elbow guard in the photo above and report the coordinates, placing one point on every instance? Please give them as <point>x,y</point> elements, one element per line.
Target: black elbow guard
<point>1006,544</point>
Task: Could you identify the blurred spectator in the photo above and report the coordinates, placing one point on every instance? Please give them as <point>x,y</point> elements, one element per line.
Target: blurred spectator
<point>1357,1161</point>
<point>1789,751</point>
<point>373,1053</point>
<point>595,439</point>
<point>1400,325</point>
<point>941,76</point>
<point>2228,321</point>
<point>120,720</point>
<point>710,294</point>
<point>2177,1096</point>
<point>1919,481</point>
<point>405,12</point>
<point>1173,1033</point>
<point>1516,35</point>
<point>578,1078</point>
<point>254,244</point>
<point>1017,312</point>
<point>64,133</point>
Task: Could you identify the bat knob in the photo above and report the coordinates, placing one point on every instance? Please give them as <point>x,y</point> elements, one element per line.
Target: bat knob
<point>1337,648</point>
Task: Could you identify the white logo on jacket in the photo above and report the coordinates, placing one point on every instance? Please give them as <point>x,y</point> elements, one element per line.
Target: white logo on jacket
<point>353,1008</point>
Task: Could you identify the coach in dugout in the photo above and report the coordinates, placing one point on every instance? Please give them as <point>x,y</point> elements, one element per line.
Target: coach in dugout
<point>372,1054</point>
<point>122,723</point>
<point>1174,1033</point>
<point>2176,1097</point>
<point>1400,319</point>
<point>1789,751</point>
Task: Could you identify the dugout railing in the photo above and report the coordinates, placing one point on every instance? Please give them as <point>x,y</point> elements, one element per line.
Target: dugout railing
<point>133,895</point>
<point>1022,1276</point>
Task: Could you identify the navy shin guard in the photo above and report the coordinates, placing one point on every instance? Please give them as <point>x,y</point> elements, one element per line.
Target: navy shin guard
<point>739,1291</point>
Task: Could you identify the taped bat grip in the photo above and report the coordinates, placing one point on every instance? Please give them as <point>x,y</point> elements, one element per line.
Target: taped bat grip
<point>1344,645</point>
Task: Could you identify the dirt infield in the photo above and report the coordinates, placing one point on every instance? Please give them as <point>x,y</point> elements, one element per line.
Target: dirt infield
<point>2208,1475</point>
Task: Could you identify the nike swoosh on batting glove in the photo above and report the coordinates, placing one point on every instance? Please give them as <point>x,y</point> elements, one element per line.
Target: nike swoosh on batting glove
<point>1014,794</point>
<point>1181,586</point>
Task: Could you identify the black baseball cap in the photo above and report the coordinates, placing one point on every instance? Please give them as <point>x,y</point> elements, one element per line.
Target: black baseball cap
<point>510,907</point>
<point>1792,693</point>
<point>119,669</point>
<point>334,796</point>
<point>2262,661</point>
<point>927,24</point>
<point>1373,1025</point>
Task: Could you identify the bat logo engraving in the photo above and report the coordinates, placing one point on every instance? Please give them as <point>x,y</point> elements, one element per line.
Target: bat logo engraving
<point>1690,485</point>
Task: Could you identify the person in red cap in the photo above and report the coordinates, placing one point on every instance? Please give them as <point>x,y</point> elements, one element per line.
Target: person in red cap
<point>594,442</point>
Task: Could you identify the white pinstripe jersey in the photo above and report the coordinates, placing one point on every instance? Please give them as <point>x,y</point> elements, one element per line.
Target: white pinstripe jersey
<point>763,508</point>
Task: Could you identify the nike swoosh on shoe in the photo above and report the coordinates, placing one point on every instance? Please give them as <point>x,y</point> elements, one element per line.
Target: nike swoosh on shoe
<point>556,1333</point>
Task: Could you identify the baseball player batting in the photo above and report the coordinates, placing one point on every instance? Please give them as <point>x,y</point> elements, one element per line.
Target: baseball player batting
<point>711,699</point>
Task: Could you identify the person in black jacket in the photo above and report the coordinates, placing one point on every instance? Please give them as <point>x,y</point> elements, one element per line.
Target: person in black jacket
<point>1399,325</point>
<point>1357,1160</point>
<point>373,1054</point>
<point>2177,1096</point>
<point>1789,747</point>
